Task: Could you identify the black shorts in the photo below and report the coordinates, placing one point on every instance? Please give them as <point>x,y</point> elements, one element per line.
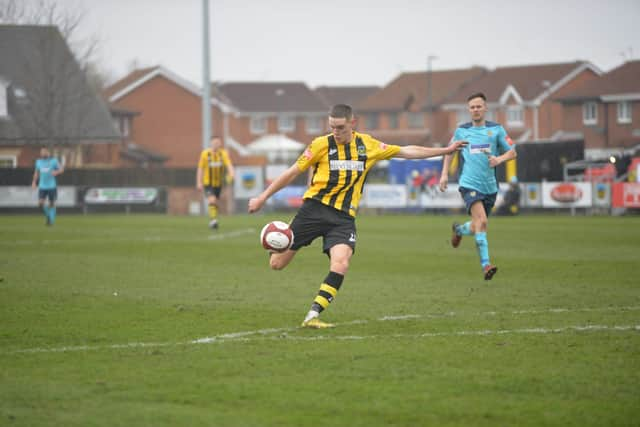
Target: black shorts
<point>471,196</point>
<point>212,191</point>
<point>51,194</point>
<point>315,219</point>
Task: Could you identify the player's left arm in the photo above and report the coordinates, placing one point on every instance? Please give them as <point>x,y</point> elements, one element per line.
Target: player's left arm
<point>508,148</point>
<point>231,172</point>
<point>58,169</point>
<point>36,176</point>
<point>419,152</point>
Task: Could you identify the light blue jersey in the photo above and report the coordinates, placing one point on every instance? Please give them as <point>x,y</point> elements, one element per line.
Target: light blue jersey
<point>490,139</point>
<point>45,168</point>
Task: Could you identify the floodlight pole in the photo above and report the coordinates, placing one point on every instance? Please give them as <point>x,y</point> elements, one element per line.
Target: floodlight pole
<point>206,82</point>
<point>431,122</point>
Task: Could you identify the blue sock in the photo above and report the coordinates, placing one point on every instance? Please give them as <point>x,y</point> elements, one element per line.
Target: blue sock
<point>52,214</point>
<point>465,229</point>
<point>482,245</point>
<point>45,209</point>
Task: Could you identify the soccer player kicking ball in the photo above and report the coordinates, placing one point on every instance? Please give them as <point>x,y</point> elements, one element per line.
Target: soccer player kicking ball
<point>340,162</point>
<point>478,184</point>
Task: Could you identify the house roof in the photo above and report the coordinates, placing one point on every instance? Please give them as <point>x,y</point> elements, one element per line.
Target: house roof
<point>350,95</point>
<point>138,77</point>
<point>409,90</point>
<point>48,96</point>
<point>527,82</point>
<point>272,97</point>
<point>620,83</point>
<point>127,80</point>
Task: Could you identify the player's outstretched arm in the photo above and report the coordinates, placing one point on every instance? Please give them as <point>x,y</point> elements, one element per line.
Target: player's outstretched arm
<point>419,152</point>
<point>278,184</point>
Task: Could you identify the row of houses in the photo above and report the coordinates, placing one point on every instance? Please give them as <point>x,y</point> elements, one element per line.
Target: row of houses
<point>152,117</point>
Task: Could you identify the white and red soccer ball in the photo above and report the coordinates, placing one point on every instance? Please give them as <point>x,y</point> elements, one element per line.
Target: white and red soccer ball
<point>276,236</point>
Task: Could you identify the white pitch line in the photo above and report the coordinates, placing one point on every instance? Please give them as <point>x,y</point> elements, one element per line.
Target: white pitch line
<point>245,337</point>
<point>219,236</point>
<point>282,332</point>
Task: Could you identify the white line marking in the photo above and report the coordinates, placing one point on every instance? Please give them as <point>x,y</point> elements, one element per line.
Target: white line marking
<point>235,233</point>
<point>263,334</point>
<point>217,236</point>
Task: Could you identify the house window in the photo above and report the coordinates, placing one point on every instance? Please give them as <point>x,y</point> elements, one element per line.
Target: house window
<point>372,121</point>
<point>286,123</point>
<point>624,112</point>
<point>416,120</point>
<point>393,120</point>
<point>126,126</point>
<point>463,116</point>
<point>489,115</point>
<point>314,125</point>
<point>515,116</point>
<point>4,110</point>
<point>590,113</point>
<point>258,124</point>
<point>8,161</point>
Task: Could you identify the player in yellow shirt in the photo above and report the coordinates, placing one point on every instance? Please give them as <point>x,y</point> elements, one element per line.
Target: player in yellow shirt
<point>340,163</point>
<point>213,164</point>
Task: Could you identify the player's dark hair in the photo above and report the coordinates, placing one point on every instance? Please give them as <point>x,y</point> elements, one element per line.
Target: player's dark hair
<point>477,95</point>
<point>341,111</point>
<point>215,137</point>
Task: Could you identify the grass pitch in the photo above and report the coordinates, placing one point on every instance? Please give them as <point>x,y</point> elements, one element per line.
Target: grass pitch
<point>157,321</point>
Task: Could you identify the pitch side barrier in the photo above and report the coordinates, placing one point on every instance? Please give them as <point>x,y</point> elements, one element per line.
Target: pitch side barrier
<point>598,197</point>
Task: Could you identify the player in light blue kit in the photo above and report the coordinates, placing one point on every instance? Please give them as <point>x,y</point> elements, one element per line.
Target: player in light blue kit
<point>44,177</point>
<point>488,146</point>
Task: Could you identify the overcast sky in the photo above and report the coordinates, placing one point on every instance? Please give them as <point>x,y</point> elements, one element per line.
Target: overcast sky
<point>356,42</point>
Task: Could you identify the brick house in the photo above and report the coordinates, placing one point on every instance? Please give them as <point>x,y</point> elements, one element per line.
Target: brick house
<point>521,98</point>
<point>605,112</point>
<point>159,115</point>
<point>45,100</point>
<point>258,109</point>
<point>408,109</point>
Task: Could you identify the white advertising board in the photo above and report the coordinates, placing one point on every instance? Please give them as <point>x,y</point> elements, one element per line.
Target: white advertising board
<point>120,195</point>
<point>248,182</point>
<point>434,198</point>
<point>23,196</point>
<point>384,196</point>
<point>566,195</point>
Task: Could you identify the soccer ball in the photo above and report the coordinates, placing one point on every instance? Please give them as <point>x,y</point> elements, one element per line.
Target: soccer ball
<point>276,236</point>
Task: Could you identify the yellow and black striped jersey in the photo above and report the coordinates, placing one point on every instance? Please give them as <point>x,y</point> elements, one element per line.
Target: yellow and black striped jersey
<point>340,170</point>
<point>212,164</point>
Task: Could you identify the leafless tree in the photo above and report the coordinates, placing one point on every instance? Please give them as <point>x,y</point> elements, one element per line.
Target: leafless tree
<point>48,12</point>
<point>60,96</point>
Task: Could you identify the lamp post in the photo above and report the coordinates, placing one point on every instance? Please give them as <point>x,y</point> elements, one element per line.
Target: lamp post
<point>206,83</point>
<point>430,122</point>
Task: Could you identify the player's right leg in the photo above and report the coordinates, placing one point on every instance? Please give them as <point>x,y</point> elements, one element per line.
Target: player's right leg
<point>212,203</point>
<point>479,224</point>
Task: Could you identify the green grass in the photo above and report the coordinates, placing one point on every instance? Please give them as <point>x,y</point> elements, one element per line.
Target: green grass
<point>98,317</point>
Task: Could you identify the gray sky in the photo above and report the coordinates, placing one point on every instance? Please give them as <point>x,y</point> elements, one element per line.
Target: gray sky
<point>356,42</point>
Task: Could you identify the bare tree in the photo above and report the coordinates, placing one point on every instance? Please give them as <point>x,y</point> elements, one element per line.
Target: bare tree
<point>61,75</point>
<point>48,12</point>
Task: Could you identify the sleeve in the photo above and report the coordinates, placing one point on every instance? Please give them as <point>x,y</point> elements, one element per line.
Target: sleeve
<point>202,162</point>
<point>312,154</point>
<point>504,142</point>
<point>457,136</point>
<point>380,151</point>
<point>56,165</point>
